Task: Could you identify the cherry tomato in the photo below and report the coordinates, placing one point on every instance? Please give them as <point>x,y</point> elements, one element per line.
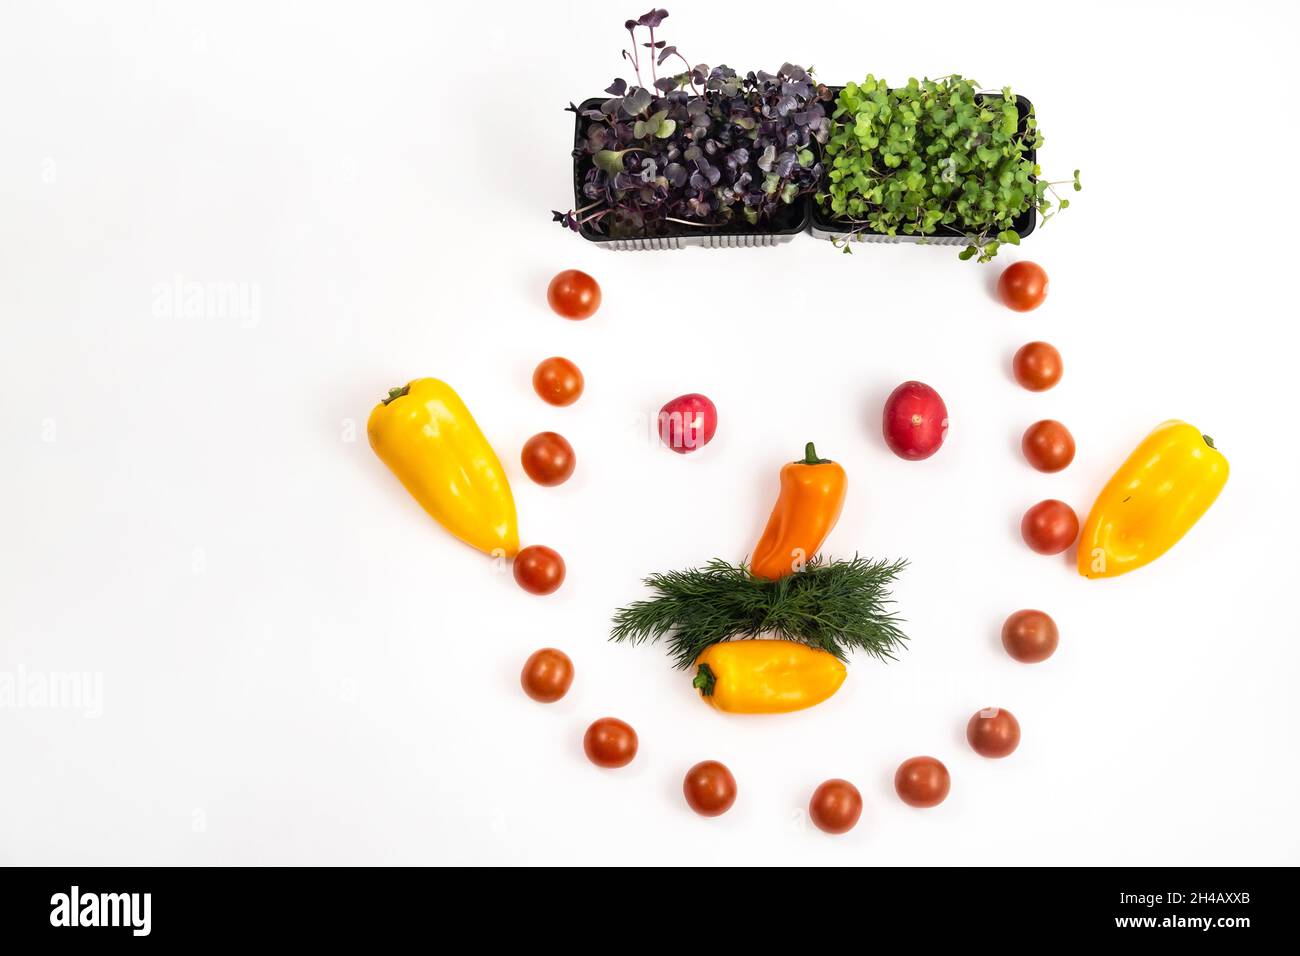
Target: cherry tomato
<point>547,675</point>
<point>993,732</point>
<point>835,806</point>
<point>710,788</point>
<point>1037,366</point>
<point>573,294</point>
<point>539,570</point>
<point>1022,286</point>
<point>1049,527</point>
<point>915,421</point>
<point>610,743</point>
<point>1030,636</point>
<point>688,422</point>
<point>1048,445</point>
<point>558,381</point>
<point>922,782</point>
<point>548,459</point>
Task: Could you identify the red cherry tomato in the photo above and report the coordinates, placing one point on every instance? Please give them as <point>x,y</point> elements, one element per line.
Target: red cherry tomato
<point>573,294</point>
<point>688,422</point>
<point>1030,636</point>
<point>548,459</point>
<point>993,732</point>
<point>610,743</point>
<point>1049,527</point>
<point>922,782</point>
<point>1022,286</point>
<point>710,788</point>
<point>1037,366</point>
<point>915,421</point>
<point>835,806</point>
<point>547,675</point>
<point>539,570</point>
<point>558,381</point>
<point>1048,445</point>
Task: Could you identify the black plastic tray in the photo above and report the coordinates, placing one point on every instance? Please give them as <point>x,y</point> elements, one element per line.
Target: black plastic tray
<point>717,237</point>
<point>824,227</point>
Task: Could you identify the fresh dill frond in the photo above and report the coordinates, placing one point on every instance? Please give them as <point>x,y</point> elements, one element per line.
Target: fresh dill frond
<point>837,606</point>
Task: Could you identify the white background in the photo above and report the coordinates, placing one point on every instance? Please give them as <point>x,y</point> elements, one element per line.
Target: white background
<point>298,666</point>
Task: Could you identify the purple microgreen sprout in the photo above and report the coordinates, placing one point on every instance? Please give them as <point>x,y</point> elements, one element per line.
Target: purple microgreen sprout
<point>704,148</point>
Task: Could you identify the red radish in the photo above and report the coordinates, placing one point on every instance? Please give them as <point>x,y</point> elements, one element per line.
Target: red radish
<point>687,423</point>
<point>915,421</point>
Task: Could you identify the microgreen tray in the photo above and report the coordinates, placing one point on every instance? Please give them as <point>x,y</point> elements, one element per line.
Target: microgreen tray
<point>793,222</point>
<point>826,227</point>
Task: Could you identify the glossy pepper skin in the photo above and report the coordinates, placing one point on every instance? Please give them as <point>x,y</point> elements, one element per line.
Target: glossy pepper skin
<point>1164,487</point>
<point>766,677</point>
<point>424,433</point>
<point>812,496</point>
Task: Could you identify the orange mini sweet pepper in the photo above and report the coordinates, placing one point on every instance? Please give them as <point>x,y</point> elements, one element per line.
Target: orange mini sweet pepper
<point>812,496</point>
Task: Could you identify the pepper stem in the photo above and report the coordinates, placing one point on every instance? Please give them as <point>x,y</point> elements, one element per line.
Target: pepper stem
<point>810,456</point>
<point>705,680</point>
<point>394,393</point>
<point>1208,440</point>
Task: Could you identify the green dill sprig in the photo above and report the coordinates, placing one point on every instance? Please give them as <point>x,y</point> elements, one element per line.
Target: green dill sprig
<point>836,606</point>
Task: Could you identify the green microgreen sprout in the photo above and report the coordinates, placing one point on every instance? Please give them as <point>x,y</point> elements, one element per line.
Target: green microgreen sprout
<point>935,157</point>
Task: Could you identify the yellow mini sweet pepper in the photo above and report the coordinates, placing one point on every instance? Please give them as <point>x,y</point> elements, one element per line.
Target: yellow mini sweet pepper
<point>1164,487</point>
<point>424,433</point>
<point>766,677</point>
